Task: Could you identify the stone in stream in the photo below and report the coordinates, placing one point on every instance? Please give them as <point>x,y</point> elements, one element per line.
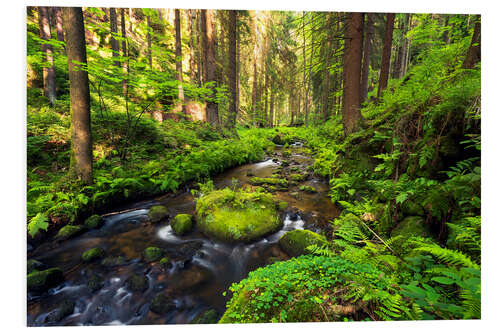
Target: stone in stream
<point>278,140</point>
<point>95,282</point>
<point>34,265</point>
<point>295,242</point>
<point>162,304</point>
<point>44,280</point>
<point>137,282</point>
<point>69,231</point>
<point>113,261</point>
<point>64,309</point>
<point>182,224</point>
<point>152,253</point>
<point>237,216</point>
<point>94,222</point>
<point>308,189</point>
<point>93,254</point>
<point>157,213</point>
<point>206,317</point>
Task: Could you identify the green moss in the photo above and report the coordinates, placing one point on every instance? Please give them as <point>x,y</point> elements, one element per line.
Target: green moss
<point>95,282</point>
<point>239,216</point>
<point>157,213</point>
<point>268,181</point>
<point>43,280</point>
<point>205,317</point>
<point>182,224</point>
<point>93,254</point>
<point>69,231</point>
<point>33,265</point>
<point>298,177</point>
<point>166,262</point>
<point>152,253</point>
<point>161,304</point>
<point>286,153</point>
<point>411,208</point>
<point>137,282</point>
<point>295,242</point>
<point>114,261</point>
<point>282,205</point>
<point>278,139</point>
<point>308,189</point>
<point>95,221</point>
<point>411,226</point>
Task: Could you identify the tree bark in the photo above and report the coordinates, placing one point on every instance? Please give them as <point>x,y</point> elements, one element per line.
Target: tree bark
<point>200,66</point>
<point>150,53</point>
<point>232,75</point>
<point>326,78</point>
<point>271,108</point>
<point>367,50</point>
<point>49,74</point>
<point>81,138</point>
<point>386,54</point>
<point>254,87</point>
<point>59,24</point>
<point>351,114</point>
<point>474,53</point>
<point>191,46</point>
<point>124,53</point>
<point>115,46</point>
<point>210,64</point>
<point>178,61</point>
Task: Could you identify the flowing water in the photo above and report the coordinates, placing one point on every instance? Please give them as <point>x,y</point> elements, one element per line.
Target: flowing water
<point>201,269</point>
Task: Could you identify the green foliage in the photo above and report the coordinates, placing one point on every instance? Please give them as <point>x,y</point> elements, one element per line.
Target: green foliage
<point>37,223</point>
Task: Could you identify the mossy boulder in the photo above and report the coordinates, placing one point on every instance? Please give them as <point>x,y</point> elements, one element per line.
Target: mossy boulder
<point>206,317</point>
<point>94,222</point>
<point>286,153</point>
<point>278,139</point>
<point>152,253</point>
<point>182,224</point>
<point>69,231</point>
<point>157,213</point>
<point>43,280</point>
<point>94,282</point>
<point>113,261</point>
<point>411,226</point>
<point>162,304</point>
<point>295,242</point>
<point>34,265</point>
<point>269,181</point>
<point>93,254</point>
<point>308,189</point>
<point>237,216</point>
<point>282,205</point>
<point>137,282</point>
<point>297,177</point>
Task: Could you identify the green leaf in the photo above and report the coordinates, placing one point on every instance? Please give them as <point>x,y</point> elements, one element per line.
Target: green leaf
<point>443,280</point>
<point>39,222</point>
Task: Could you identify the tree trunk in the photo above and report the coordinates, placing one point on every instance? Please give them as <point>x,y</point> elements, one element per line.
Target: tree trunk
<point>178,61</point>
<point>115,46</point>
<point>254,88</point>
<point>404,48</point>
<point>266,94</point>
<point>474,53</point>
<point>191,45</point>
<point>150,53</point>
<point>81,138</point>
<point>200,66</point>
<point>232,75</point>
<point>124,53</point>
<point>310,71</point>
<point>351,114</point>
<point>49,74</point>
<point>59,24</point>
<point>210,64</point>
<point>271,108</point>
<point>326,78</point>
<point>367,50</point>
<point>130,20</point>
<point>386,54</point>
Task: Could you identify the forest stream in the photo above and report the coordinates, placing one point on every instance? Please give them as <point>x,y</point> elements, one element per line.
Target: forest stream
<point>200,271</point>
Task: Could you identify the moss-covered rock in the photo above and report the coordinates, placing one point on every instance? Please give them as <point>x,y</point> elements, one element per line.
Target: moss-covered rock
<point>152,253</point>
<point>297,177</point>
<point>295,242</point>
<point>137,282</point>
<point>43,280</point>
<point>278,139</point>
<point>162,304</point>
<point>157,213</point>
<point>93,222</point>
<point>113,261</point>
<point>269,181</point>
<point>411,226</point>
<point>69,231</point>
<point>94,282</point>
<point>239,216</point>
<point>206,317</point>
<point>286,153</point>
<point>308,189</point>
<point>282,205</point>
<point>182,224</point>
<point>93,254</point>
<point>64,309</point>
<point>34,265</point>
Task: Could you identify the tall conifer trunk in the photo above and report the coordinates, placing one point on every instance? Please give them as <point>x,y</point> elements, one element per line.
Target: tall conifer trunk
<point>49,74</point>
<point>178,61</point>
<point>209,63</point>
<point>367,49</point>
<point>232,75</point>
<point>115,46</point>
<point>386,54</point>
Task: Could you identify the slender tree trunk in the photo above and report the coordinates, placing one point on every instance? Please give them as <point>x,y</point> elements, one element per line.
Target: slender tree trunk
<point>351,114</point>
<point>404,47</point>
<point>59,24</point>
<point>446,36</point>
<point>178,61</point>
<point>232,76</point>
<point>191,46</point>
<point>386,54</point>
<point>326,78</point>
<point>150,53</point>
<point>474,53</point>
<point>115,46</point>
<point>210,64</point>
<point>200,66</point>
<point>266,94</point>
<point>81,138</point>
<point>124,53</point>
<point>130,20</point>
<point>254,88</point>
<point>49,74</point>
<point>367,50</point>
<point>271,108</point>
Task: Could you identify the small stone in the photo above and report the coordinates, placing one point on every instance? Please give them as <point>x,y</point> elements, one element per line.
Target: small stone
<point>43,280</point>
<point>93,222</point>
<point>69,231</point>
<point>64,309</point>
<point>162,304</point>
<point>152,254</point>
<point>157,213</point>
<point>93,254</point>
<point>206,317</point>
<point>137,282</point>
<point>113,261</point>
<point>182,224</point>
